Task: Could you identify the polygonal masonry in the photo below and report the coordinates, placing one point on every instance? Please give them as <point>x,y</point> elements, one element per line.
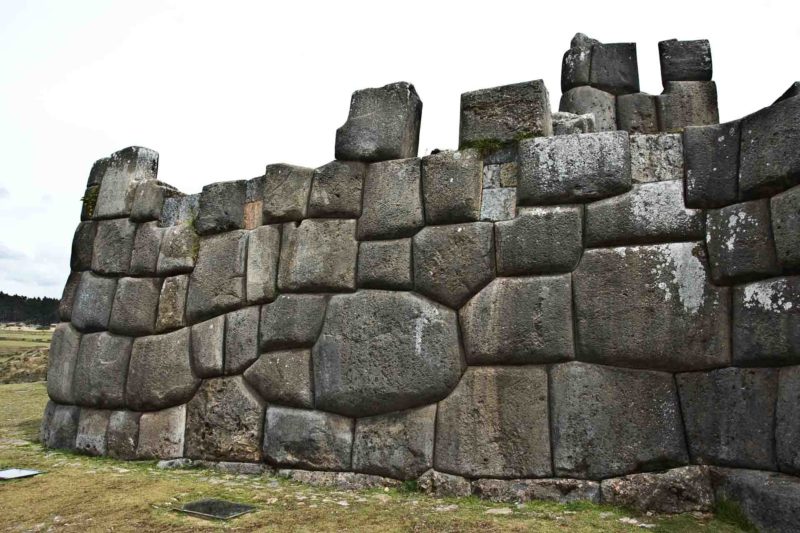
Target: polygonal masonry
<point>113,245</point>
<point>135,306</point>
<point>656,157</point>
<point>785,215</point>
<point>161,434</point>
<point>146,246</point>
<point>685,60</point>
<point>263,251</point>
<point>101,369</point>
<point>216,284</point>
<point>307,439</point>
<point>61,363</point>
<point>292,321</point>
<point>392,200</point>
<point>221,207</point>
<point>687,103</point>
<point>59,426</point>
<point>712,164</point>
<point>178,252</point>
<point>336,190</point>
<point>385,264</point>
<point>614,68</point>
<point>208,345</point>
<point>149,198</point>
<point>787,420</point>
<point>585,100</point>
<point>92,427</point>
<point>122,437</point>
<point>68,296</point>
<point>241,339</point>
<point>679,490</point>
<point>172,303</point>
<point>451,184</point>
<point>567,123</point>
<point>285,193</point>
<point>83,246</point>
<point>94,298</point>
<point>577,62</point>
<point>123,172</point>
<point>636,113</point>
<point>283,377</point>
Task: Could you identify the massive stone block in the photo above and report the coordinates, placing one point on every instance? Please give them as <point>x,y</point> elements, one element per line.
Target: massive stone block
<point>161,434</point>
<point>217,283</point>
<point>98,170</point>
<point>588,100</point>
<point>221,207</point>
<point>729,416</point>
<point>113,245</point>
<point>519,321</point>
<point>383,123</point>
<point>285,193</point>
<point>336,190</point>
<point>93,301</point>
<point>122,437</point>
<point>712,164</point>
<point>769,500</point>
<point>383,351</point>
<point>241,339</point>
<point>525,490</point>
<point>685,60</point>
<point>68,296</point>
<point>499,204</point>
<point>101,370</point>
<point>495,424</point>
<point>263,251</point>
<point>785,211</point>
<point>687,103</point>
<point>83,246</point>
<point>787,421</point>
<point>135,306</point>
<point>179,210</point>
<point>179,248</point>
<point>292,321</point>
<point>451,263</point>
<point>146,247</point>
<point>61,363</point>
<point>568,123</point>
<point>614,68</point>
<point>92,428</point>
<point>307,439</point>
<point>573,168</point>
<point>208,347</point>
<point>671,315</point>
<point>385,265</point>
<point>172,303</point>
<point>576,63</point>
<point>148,200</point>
<point>60,426</point>
<point>636,113</point>
<point>452,183</point>
<point>123,172</point>
<point>392,200</point>
<point>656,157</point>
<point>283,377</point>
<point>612,421</point>
<point>680,490</point>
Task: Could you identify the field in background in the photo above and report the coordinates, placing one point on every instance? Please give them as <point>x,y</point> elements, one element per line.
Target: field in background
<point>23,354</point>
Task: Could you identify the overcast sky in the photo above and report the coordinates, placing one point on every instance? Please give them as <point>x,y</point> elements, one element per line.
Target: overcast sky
<point>221,89</point>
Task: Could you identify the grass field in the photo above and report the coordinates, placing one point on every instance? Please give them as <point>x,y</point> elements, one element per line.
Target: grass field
<point>23,354</point>
<point>95,494</point>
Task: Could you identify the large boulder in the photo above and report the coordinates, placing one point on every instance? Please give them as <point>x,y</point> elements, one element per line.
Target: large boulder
<point>712,164</point>
<point>285,193</point>
<point>307,439</point>
<point>392,205</point>
<point>451,185</point>
<point>292,321</point>
<point>101,370</point>
<point>685,60</point>
<point>769,500</point>
<point>92,429</point>
<point>93,301</point>
<point>135,306</point>
<point>283,377</point>
<point>217,283</point>
<point>161,434</point>
<point>336,190</point>
<point>113,246</point>
<point>121,174</point>
<point>680,490</point>
<point>656,157</point>
<point>61,363</point>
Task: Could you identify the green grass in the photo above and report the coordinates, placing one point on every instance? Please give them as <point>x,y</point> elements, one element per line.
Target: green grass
<point>23,355</point>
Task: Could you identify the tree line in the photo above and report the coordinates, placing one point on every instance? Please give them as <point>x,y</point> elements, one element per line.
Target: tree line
<point>15,308</point>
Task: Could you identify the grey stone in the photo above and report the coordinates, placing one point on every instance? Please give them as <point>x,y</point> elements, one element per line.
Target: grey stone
<point>101,369</point>
<point>451,263</point>
<point>283,377</point>
<point>148,200</point>
<point>339,480</point>
<point>680,490</point>
<point>61,363</point>
<point>286,190</point>
<point>179,210</point>
<point>113,245</point>
<point>656,157</point>
<point>92,428</point>
<point>499,204</point>
<point>224,420</point>
<point>671,315</point>
<point>687,103</point>
<point>495,424</point>
<point>161,434</point>
<point>785,211</point>
<point>685,60</point>
<point>739,242</point>
<point>60,426</point>
<point>599,431</point>
<point>308,439</point>
<point>241,339</point>
<point>588,100</point>
<point>263,251</point>
<point>146,246</point>
<point>124,171</point>
<point>392,205</point>
<point>420,359</point>
<point>525,490</point>
<point>98,170</point>
<point>614,68</point>
<point>172,303</point>
<point>123,434</point>
<point>787,420</point>
<point>135,306</point>
<point>540,240</point>
<point>93,300</point>
<point>383,123</point>
<point>649,213</point>
<point>88,203</point>
<point>176,464</point>
<point>242,469</point>
<point>385,265</point>
<point>504,154</point>
<point>208,345</point>
<point>574,168</point>
<point>569,123</point>
<point>292,321</point>
<point>178,252</point>
<point>216,284</point>
<point>396,445</point>
<point>505,114</point>
<point>160,373</point>
<point>83,246</point>
<point>221,207</point>
<point>318,255</point>
<point>68,296</point>
<point>766,322</point>
<point>712,164</point>
<point>452,184</point>
<point>336,190</point>
<point>577,61</point>
<point>519,321</point>
<point>444,485</point>
<point>636,113</point>
<point>791,92</point>
<point>729,415</point>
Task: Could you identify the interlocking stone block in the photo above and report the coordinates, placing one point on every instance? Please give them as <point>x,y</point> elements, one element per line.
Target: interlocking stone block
<point>588,100</point>
<point>148,201</point>
<point>420,358</point>
<point>769,500</point>
<point>385,264</point>
<point>216,284</point>
<point>161,434</point>
<point>614,68</point>
<point>525,490</point>
<point>599,431</point>
<point>307,439</point>
<point>569,123</point>
<point>496,175</point>
<point>61,363</point>
<point>687,103</point>
<point>785,211</point>
<point>292,321</point>
<point>671,315</point>
<point>318,255</point>
<point>573,168</point>
<point>336,190</point>
<point>499,204</point>
<point>122,437</point>
<point>636,113</point>
<point>452,184</point>
<point>729,416</point>
<point>392,200</point>
<point>577,61</point>
<point>241,339</point>
<point>208,345</point>
<point>68,296</point>
<point>146,247</point>
<point>83,246</point>
<point>178,252</point>
<point>656,157</point>
<point>283,377</point>
<point>383,123</point>
<point>113,245</point>
<point>92,428</point>
<point>135,306</point>
<point>101,369</point>
<point>124,171</point>
<point>179,210</point>
<point>712,164</point>
<point>495,424</point>
<point>60,426</point>
<point>93,300</point>
<point>286,190</point>
<point>172,303</point>
<point>787,420</point>
<point>680,490</point>
<point>263,251</point>
<point>685,60</point>
<point>221,207</point>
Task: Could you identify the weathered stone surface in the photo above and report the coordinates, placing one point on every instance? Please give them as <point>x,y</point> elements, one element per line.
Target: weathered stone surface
<point>573,168</point>
<point>89,202</point>
<point>383,123</point>
<point>569,123</point>
<point>739,242</point>
<point>160,373</point>
<point>113,245</point>
<point>671,316</point>
<point>685,60</point>
<point>241,339</point>
<point>336,190</point>
<point>98,170</point>
<point>577,61</point>
<point>791,92</point>
<point>68,296</point>
<point>687,103</point>
<point>292,321</point>
<point>525,490</point>
<point>61,363</point>
<point>263,251</point>
<point>383,351</point>
<point>444,485</point>
<point>224,420</point>
<point>92,428</point>
<point>123,172</point>
<point>787,420</point>
<point>123,434</point>
<point>452,184</point>
<point>588,100</point>
<point>680,490</point>
<point>172,303</point>
<point>499,204</point>
<point>656,157</point>
<point>93,301</point>
<point>766,322</point>
<point>307,439</point>
<point>636,113</point>
<point>60,426</point>
<point>216,284</point>
<point>785,211</point>
<point>540,240</point>
<point>614,68</point>
<point>179,210</point>
<point>146,246</point>
<point>385,264</point>
<point>179,249</point>
<point>101,369</point>
<point>397,445</point>
<point>451,263</point>
<point>135,306</point>
<point>712,164</point>
<point>729,416</point>
<point>283,377</point>
<point>599,432</point>
<point>318,255</point>
<point>519,321</point>
<point>208,345</point>
<point>505,114</point>
<point>253,214</point>
<point>392,205</point>
<point>339,480</point>
<point>148,200</point>
<point>161,434</point>
<point>495,424</point>
<point>83,246</point>
<point>221,207</point>
<point>286,189</point>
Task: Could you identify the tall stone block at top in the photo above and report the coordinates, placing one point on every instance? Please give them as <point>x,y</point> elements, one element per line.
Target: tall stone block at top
<point>383,124</point>
<point>285,190</point>
<point>505,114</point>
<point>452,184</point>
<point>217,283</point>
<point>392,200</point>
<point>615,68</point>
<point>577,62</point>
<point>687,103</point>
<point>123,172</point>
<point>685,60</point>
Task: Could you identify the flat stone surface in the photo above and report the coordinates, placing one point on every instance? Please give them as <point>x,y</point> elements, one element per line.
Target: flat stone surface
<point>98,170</point>
<point>179,210</point>
<point>172,303</point>
<point>263,252</point>
<point>601,433</point>
<point>68,296</point>
<point>385,265</point>
<point>636,113</point>
<point>101,369</point>
<point>787,420</point>
<point>135,306</point>
<point>161,434</point>
<point>60,426</point>
<point>588,100</point>
<point>687,103</point>
<point>318,255</point>
<point>83,246</point>
<point>241,339</point>
<point>499,204</point>
<point>785,211</point>
<point>614,68</point>
<point>286,189</point>
<point>519,321</point>
<point>292,321</point>
<point>569,123</point>
<point>712,164</point>
<point>443,485</point>
<point>178,252</point>
<point>123,172</point>
<point>122,437</point>
<point>656,157</point>
<point>208,347</point>
<point>307,439</point>
<point>392,205</point>
<point>495,424</point>
<point>61,363</point>
<point>496,175</point>
<point>93,300</point>
<point>673,318</point>
<point>146,246</point>
<point>113,245</point>
<point>283,377</point>
<point>685,60</point>
<point>221,207</point>
<point>336,190</point>
<point>680,490</point>
<point>383,351</point>
<point>525,490</point>
<point>92,427</point>
<point>148,200</point>
<point>451,185</point>
<point>217,283</point>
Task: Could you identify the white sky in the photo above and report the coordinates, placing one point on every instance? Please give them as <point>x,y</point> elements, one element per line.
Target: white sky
<point>221,89</point>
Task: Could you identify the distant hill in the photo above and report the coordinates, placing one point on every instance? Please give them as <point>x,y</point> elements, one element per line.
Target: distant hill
<point>15,308</point>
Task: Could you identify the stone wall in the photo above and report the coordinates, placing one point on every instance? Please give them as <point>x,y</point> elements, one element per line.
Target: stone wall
<point>573,305</point>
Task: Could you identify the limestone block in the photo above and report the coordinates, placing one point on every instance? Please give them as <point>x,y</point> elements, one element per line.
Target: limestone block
<point>336,190</point>
<point>161,434</point>
<point>160,373</point>
<point>499,204</point>
<point>146,246</point>
<point>613,421</point>
<point>443,485</point>
<point>68,296</point>
<point>383,123</point>
<point>179,210</point>
<point>208,345</point>
<point>83,246</point>
<point>495,424</point>
<point>505,114</point>
<point>283,377</point>
<point>216,284</point>
<point>452,184</point>
<point>172,303</point>
<point>712,164</point>
<point>123,434</point>
<point>61,363</point>
<point>124,171</point>
<point>385,264</point>
<point>148,200</point>
<point>787,420</point>
<point>101,369</point>
<point>685,60</point>
<point>739,242</point>
<point>224,420</point>
<point>680,490</point>
<point>577,61</point>
<point>770,501</point>
<point>573,168</point>
<point>785,211</point>
<point>113,245</point>
<point>178,252</point>
<point>392,206</point>
<point>92,428</point>
<point>420,359</point>
<point>221,207</point>
<point>687,103</point>
<point>569,123</point>
<point>318,255</point>
<point>307,439</point>
<point>93,300</point>
<point>135,306</point>
<point>241,339</point>
<point>451,263</point>
<point>729,416</point>
<point>614,68</point>
<point>588,100</point>
<point>397,445</point>
<point>656,157</point>
<point>292,321</point>
<point>60,426</point>
<point>286,190</point>
<point>525,490</point>
<point>672,317</point>
<point>636,113</point>
<point>519,321</point>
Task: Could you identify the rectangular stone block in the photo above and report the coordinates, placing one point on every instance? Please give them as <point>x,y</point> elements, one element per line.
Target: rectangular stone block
<point>712,164</point>
<point>385,265</point>
<point>135,306</point>
<point>308,439</point>
<point>615,68</point>
<point>263,251</point>
<point>92,428</point>
<point>568,123</point>
<point>679,490</point>
<point>685,60</point>
<point>221,207</point>
<point>253,214</point>
<point>179,248</point>
<point>124,171</point>
<point>787,420</point>
<point>656,157</point>
<point>113,245</point>
<point>160,372</point>
<point>392,205</point>
<point>687,103</point>
<point>68,296</point>
<point>123,434</point>
<point>499,204</point>
<point>83,246</point>
<point>636,113</point>
<point>101,369</point>
<point>93,301</point>
<point>588,100</point>
<point>785,214</point>
<point>576,63</point>
<point>172,303</point>
<point>216,284</point>
<point>61,363</point>
<point>286,190</point>
<point>292,321</point>
<point>60,426</point>
<point>148,200</point>
<point>451,185</point>
<point>769,500</point>
<point>179,209</point>
<point>283,377</point>
<point>241,339</point>
<point>161,434</point>
<point>146,247</point>
<point>336,190</point>
<point>208,347</point>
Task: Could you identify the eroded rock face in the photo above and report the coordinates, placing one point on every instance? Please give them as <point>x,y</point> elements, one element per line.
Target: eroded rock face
<point>161,434</point>
<point>283,377</point>
<point>101,369</point>
<point>61,363</point>
<point>680,490</point>
<point>524,490</point>
<point>769,500</point>
<point>308,439</point>
<point>217,283</point>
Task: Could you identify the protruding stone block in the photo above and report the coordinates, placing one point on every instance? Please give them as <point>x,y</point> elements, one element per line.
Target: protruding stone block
<point>263,251</point>
<point>113,245</point>
<point>636,113</point>
<point>68,296</point>
<point>123,434</point>
<point>336,190</point>
<point>208,347</point>
<point>383,124</point>
<point>785,211</point>
<point>499,204</point>
<point>787,420</point>
<point>179,248</point>
<point>221,207</point>
<point>588,100</point>
<point>135,306</point>
<point>680,490</point>
<point>385,265</point>
<point>769,500</point>
<point>443,485</point>
<point>172,303</point>
<point>179,210</point>
<point>687,103</point>
<point>83,246</point>
<point>614,68</point>
<point>92,428</point>
<point>217,283</point>
<point>286,189</point>
<point>101,370</point>
<point>146,247</point>
<point>712,164</point>
<point>577,62</point>
<point>292,321</point>
<point>452,184</point>
<point>148,201</point>
<point>241,339</point>
<point>61,363</point>
<point>308,439</point>
<point>60,426</point>
<point>568,123</point>
<point>656,157</point>
<point>93,301</point>
<point>124,171</point>
<point>283,377</point>
<point>392,200</point>
<point>685,60</point>
<point>161,434</point>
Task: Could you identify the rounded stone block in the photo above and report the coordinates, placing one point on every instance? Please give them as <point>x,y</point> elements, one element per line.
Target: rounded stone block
<point>122,173</point>
<point>615,68</point>
<point>113,246</point>
<point>135,306</point>
<point>285,193</point>
<point>241,339</point>
<point>208,345</point>
<point>785,211</point>
<point>636,113</point>
<point>123,434</point>
<point>146,246</point>
<point>576,63</point>
<point>68,296</point>
<point>61,363</point>
<point>292,321</point>
<point>217,283</point>
<point>588,100</point>
<point>392,205</point>
<point>336,190</point>
<point>307,439</point>
<point>161,434</point>
<point>148,200</point>
<point>221,207</point>
<point>687,103</point>
<point>178,252</point>
<point>101,370</point>
<point>83,246</point>
<point>283,377</point>
<point>685,60</point>
<point>385,265</point>
<point>92,429</point>
<point>712,164</point>
<point>452,183</point>
<point>263,252</point>
<point>60,426</point>
<point>680,490</point>
<point>172,303</point>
